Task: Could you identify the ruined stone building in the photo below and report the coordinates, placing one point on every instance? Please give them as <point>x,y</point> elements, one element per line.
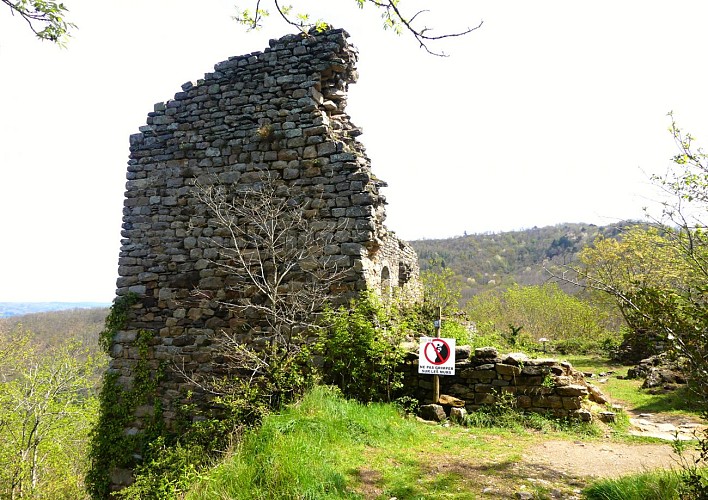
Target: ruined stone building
<point>277,114</point>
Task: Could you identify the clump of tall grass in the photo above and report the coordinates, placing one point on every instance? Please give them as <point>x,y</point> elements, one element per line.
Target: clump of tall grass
<point>655,485</point>
<point>276,460</point>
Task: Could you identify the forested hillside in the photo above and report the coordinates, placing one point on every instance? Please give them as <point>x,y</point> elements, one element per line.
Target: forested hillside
<point>50,371</point>
<point>51,329</point>
<point>9,309</point>
<point>487,261</point>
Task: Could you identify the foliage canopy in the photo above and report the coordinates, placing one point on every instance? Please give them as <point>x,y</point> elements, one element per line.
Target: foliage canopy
<point>44,17</point>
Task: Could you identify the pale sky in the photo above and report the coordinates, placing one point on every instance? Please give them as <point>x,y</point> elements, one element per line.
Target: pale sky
<point>552,112</point>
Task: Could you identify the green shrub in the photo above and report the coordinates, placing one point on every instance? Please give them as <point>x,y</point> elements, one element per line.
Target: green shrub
<point>170,470</point>
<point>452,329</point>
<point>361,349</point>
<point>523,315</point>
<point>487,337</point>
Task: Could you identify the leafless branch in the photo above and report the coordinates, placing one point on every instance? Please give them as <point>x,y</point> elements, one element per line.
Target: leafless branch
<point>392,14</point>
<point>274,252</point>
<point>420,34</point>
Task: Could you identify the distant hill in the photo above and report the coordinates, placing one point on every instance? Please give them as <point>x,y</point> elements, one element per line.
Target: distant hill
<point>50,329</point>
<point>497,260</point>
<point>9,309</point>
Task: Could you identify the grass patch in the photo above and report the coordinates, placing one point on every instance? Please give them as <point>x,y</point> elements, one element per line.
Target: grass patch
<point>328,447</point>
<point>657,485</point>
<point>629,392</point>
<point>680,401</point>
<point>594,364</point>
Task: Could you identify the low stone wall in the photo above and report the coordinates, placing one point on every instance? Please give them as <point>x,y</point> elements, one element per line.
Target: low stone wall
<point>538,385</point>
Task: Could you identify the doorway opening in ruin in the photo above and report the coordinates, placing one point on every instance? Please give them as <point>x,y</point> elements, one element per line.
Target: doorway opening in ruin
<point>385,283</point>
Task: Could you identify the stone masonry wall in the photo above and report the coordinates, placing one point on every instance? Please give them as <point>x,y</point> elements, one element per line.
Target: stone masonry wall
<point>277,114</point>
<point>538,385</point>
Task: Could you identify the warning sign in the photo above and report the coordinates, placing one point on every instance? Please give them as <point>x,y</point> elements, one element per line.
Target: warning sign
<point>436,356</point>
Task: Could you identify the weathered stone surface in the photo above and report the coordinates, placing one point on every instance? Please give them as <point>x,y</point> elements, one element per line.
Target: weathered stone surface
<point>596,395</point>
<point>607,416</point>
<point>572,403</point>
<point>504,369</point>
<point>480,382</point>
<point>572,390</point>
<point>582,415</point>
<point>462,352</point>
<point>485,352</point>
<point>516,358</point>
<point>458,415</point>
<point>658,371</point>
<point>485,399</point>
<point>434,413</point>
<point>462,391</point>
<point>447,400</point>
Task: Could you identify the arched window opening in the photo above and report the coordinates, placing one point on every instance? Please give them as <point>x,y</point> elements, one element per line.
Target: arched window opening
<point>385,283</point>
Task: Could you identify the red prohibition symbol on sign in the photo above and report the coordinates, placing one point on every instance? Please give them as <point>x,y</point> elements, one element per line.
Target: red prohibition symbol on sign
<point>437,352</point>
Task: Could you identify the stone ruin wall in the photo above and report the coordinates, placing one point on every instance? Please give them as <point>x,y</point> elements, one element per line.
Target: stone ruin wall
<point>537,385</point>
<point>280,111</point>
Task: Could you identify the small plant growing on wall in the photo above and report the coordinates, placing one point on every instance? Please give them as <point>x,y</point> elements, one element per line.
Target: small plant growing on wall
<point>265,132</point>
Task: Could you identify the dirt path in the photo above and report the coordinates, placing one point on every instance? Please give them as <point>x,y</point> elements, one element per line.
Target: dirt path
<point>599,460</point>
<point>561,469</point>
<point>557,469</point>
<point>560,465</point>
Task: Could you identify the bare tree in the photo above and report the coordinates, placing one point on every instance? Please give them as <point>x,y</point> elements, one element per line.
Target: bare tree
<point>282,267</point>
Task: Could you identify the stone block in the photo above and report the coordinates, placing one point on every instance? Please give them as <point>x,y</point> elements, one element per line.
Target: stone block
<point>485,399</point>
<point>485,352</point>
<point>572,390</point>
<point>504,369</point>
<point>582,414</point>
<point>515,358</point>
<point>462,353</point>
<point>570,403</point>
<point>432,412</point>
<point>447,400</point>
<point>458,415</point>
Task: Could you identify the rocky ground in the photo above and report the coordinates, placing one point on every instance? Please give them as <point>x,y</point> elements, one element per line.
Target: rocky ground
<point>562,468</point>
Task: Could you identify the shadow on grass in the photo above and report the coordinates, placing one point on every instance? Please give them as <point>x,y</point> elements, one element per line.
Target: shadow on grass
<point>592,363</point>
<point>681,399</point>
<point>501,478</point>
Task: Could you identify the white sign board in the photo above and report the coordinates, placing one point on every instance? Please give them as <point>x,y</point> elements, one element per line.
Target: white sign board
<point>436,356</point>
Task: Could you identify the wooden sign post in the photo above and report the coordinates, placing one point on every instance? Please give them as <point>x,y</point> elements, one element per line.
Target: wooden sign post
<point>436,377</point>
<point>436,357</point>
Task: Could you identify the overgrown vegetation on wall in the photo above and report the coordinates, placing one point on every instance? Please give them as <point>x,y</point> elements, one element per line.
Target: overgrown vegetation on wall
<point>361,349</point>
<point>113,447</point>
